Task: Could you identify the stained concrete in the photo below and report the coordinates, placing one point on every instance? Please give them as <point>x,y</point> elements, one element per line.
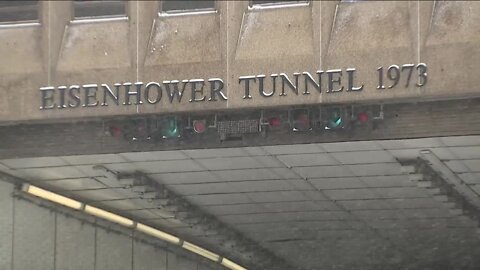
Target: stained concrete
<point>235,40</point>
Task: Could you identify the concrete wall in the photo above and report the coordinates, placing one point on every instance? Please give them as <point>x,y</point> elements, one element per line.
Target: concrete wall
<point>237,41</point>
<point>34,237</point>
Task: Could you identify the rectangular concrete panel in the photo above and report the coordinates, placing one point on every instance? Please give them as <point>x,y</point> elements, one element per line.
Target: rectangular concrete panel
<point>147,257</point>
<point>24,163</point>
<point>256,174</point>
<point>34,237</point>
<point>100,194</point>
<point>6,225</point>
<point>75,245</point>
<point>21,43</point>
<point>289,36</point>
<point>240,163</point>
<point>385,29</point>
<point>87,159</point>
<point>114,251</point>
<point>50,173</point>
<point>324,171</point>
<point>183,39</point>
<point>203,267</point>
<point>168,166</point>
<point>151,156</point>
<point>176,262</point>
<point>337,183</point>
<point>75,184</point>
<point>451,48</point>
<point>307,160</point>
<point>94,45</point>
<point>185,178</point>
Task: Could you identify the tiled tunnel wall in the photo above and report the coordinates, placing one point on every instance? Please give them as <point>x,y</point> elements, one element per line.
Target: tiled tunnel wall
<point>34,237</point>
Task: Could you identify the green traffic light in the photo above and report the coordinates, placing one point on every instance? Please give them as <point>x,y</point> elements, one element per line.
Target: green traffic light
<point>335,120</point>
<point>170,128</point>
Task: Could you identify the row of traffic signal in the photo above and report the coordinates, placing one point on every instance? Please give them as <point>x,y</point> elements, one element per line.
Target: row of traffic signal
<point>237,125</point>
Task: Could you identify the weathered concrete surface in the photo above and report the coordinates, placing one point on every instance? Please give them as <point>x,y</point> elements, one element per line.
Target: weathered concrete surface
<point>348,205</point>
<point>34,237</point>
<point>443,118</point>
<point>234,41</point>
<point>367,36</point>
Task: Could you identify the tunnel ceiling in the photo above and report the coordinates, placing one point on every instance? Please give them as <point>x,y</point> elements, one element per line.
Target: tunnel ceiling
<point>349,205</point>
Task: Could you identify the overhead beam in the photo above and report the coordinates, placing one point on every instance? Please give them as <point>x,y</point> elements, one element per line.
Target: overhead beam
<point>401,121</point>
<point>429,172</point>
<point>455,188</point>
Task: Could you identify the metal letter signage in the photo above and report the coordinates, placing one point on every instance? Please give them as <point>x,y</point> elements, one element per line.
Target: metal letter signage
<point>333,81</point>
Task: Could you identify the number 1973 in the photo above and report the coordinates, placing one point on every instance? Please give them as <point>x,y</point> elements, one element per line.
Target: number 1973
<point>395,73</point>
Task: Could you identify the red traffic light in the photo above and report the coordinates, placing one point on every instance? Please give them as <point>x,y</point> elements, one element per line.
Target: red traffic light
<point>362,117</point>
<point>275,122</point>
<point>199,126</point>
<point>116,132</point>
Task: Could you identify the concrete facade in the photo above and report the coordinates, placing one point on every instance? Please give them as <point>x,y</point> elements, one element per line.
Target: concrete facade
<point>236,40</point>
<point>357,197</point>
